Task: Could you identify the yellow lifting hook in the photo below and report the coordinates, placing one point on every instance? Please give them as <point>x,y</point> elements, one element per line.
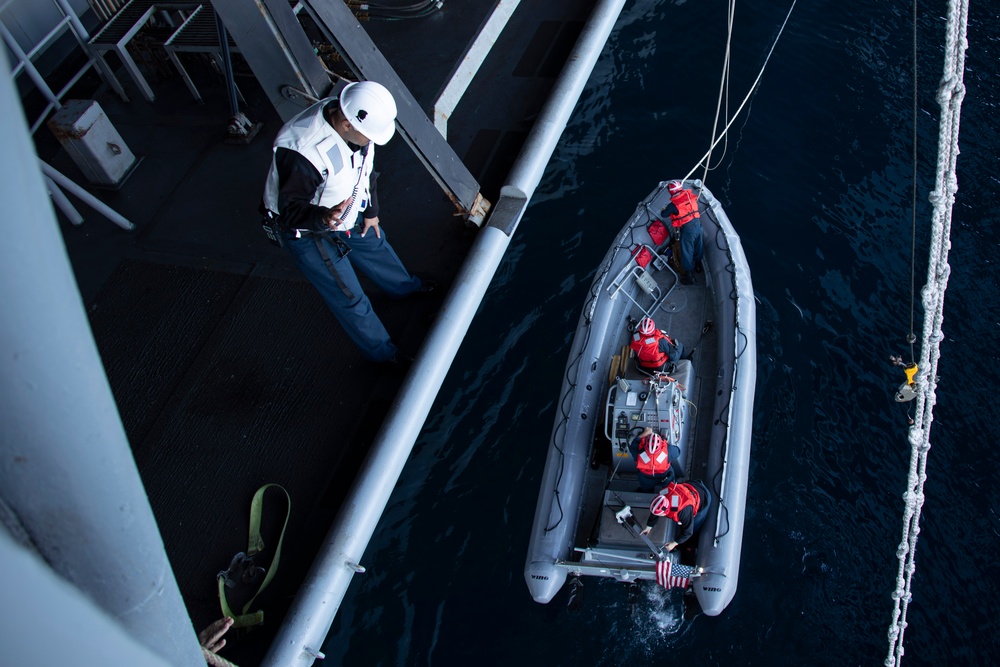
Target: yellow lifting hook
<point>907,391</point>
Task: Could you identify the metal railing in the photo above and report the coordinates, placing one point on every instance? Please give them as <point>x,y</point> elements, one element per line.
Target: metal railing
<point>25,59</point>
<point>105,9</point>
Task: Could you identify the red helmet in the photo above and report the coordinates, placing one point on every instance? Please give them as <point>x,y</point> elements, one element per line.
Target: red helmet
<point>652,443</point>
<point>673,187</point>
<point>647,326</point>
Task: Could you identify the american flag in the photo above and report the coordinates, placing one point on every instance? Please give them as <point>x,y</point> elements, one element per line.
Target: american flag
<point>671,576</point>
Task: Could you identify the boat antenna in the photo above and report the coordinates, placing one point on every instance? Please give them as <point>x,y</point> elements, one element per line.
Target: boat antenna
<point>950,94</point>
<point>706,158</point>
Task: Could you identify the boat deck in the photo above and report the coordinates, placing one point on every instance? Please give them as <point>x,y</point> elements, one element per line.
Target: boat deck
<point>228,370</point>
<point>683,312</point>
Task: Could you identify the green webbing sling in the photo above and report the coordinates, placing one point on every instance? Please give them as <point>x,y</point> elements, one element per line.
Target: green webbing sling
<point>254,547</point>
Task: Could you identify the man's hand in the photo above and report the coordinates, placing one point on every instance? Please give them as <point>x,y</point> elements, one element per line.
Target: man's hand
<point>645,531</point>
<point>371,223</point>
<point>332,217</point>
<point>211,637</point>
<point>670,546</point>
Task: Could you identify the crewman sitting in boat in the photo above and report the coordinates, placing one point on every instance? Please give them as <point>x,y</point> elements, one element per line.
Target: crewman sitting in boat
<point>685,503</point>
<point>654,347</point>
<point>655,461</point>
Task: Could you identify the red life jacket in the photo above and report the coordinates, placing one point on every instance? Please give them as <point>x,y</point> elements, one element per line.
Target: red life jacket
<point>647,348</point>
<point>655,465</point>
<point>687,496</point>
<point>687,208</point>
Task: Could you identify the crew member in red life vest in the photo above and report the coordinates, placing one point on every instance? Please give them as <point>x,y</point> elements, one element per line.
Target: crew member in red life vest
<point>685,503</point>
<point>655,461</point>
<point>653,346</point>
<point>685,216</point>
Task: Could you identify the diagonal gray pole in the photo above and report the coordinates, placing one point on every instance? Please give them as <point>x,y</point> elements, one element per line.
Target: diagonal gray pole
<point>317,602</point>
<point>66,468</point>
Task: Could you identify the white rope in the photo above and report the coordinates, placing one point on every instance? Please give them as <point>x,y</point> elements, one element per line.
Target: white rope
<point>725,70</point>
<point>950,95</point>
<point>723,90</point>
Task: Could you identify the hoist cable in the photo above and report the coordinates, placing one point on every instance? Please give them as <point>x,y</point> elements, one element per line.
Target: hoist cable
<point>723,87</point>
<point>746,99</point>
<point>911,337</point>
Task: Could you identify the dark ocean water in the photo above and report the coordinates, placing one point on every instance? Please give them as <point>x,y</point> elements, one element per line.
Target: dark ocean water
<point>816,177</point>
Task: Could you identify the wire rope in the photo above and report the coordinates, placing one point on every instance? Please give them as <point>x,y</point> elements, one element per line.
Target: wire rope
<point>911,337</point>
<point>722,135</point>
<point>723,86</point>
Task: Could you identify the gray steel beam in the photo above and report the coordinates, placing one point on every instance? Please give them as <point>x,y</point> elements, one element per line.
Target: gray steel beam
<point>277,49</point>
<point>66,468</point>
<point>342,29</point>
<point>317,602</point>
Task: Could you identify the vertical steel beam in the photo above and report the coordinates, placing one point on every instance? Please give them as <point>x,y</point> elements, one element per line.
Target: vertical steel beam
<point>33,631</point>
<point>340,558</point>
<point>66,469</point>
<point>277,49</point>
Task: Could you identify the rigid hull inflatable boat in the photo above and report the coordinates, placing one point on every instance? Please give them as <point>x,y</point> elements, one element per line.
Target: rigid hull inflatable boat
<point>590,514</point>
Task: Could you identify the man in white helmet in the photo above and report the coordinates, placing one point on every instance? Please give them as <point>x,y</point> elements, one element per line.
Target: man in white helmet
<point>320,194</point>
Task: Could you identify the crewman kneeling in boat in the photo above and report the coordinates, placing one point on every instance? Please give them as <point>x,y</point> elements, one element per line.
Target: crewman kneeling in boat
<point>655,461</point>
<point>654,347</point>
<point>685,503</point>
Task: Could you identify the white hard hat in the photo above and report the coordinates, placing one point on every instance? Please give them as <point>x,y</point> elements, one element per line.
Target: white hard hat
<point>647,326</point>
<point>370,109</point>
<point>659,505</point>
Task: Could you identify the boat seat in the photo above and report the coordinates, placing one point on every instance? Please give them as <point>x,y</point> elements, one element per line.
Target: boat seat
<point>684,373</point>
<point>614,534</point>
<point>667,368</point>
<point>670,368</point>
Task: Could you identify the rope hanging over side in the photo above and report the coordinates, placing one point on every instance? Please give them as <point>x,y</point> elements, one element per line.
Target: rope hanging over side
<point>723,89</point>
<point>950,96</point>
<point>706,158</point>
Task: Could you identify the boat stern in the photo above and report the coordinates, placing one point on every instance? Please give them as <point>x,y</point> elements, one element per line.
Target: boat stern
<point>544,580</point>
<point>714,592</point>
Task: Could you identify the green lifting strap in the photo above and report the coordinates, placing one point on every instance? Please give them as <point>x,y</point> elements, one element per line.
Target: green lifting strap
<point>254,547</point>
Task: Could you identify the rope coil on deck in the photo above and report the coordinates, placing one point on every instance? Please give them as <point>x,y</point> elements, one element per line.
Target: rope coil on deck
<point>950,96</point>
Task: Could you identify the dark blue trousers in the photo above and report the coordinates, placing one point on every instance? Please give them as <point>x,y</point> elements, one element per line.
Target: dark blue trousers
<point>692,245</point>
<point>338,283</point>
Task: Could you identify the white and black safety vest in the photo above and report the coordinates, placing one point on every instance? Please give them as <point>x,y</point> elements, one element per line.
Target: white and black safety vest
<point>346,173</point>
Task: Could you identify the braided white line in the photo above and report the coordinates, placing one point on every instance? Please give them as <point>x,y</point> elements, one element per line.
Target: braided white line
<point>950,95</point>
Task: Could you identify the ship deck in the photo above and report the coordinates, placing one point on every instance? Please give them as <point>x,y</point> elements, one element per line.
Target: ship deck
<point>227,368</point>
